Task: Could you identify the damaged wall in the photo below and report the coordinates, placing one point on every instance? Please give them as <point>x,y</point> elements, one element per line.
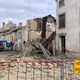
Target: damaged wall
<point>34,32</point>
<point>41,28</point>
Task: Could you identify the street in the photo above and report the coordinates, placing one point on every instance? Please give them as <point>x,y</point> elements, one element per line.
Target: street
<point>6,54</point>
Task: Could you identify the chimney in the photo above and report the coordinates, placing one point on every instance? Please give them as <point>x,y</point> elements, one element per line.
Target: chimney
<point>20,24</point>
<point>3,23</point>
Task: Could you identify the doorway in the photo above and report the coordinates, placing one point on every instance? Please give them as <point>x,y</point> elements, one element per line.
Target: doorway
<point>63,45</point>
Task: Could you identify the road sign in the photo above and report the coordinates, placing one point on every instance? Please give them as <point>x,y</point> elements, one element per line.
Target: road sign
<point>77,66</point>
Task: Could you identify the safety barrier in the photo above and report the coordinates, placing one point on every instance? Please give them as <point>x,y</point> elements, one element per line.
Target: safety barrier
<point>38,70</point>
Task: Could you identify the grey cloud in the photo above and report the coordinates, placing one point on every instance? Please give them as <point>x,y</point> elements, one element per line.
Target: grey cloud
<point>18,14</point>
<point>12,4</point>
<point>22,9</point>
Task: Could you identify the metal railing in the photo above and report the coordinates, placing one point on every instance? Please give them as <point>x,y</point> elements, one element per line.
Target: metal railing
<point>38,70</point>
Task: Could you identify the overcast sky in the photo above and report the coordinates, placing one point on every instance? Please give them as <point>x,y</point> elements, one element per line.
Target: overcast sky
<point>21,10</point>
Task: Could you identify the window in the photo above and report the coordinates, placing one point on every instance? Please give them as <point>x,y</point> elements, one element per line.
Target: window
<point>62,21</point>
<point>39,25</point>
<point>61,3</point>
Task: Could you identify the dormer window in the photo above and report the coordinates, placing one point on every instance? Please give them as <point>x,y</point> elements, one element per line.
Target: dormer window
<point>61,3</point>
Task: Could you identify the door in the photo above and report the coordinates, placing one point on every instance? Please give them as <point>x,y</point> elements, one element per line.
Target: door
<point>63,44</point>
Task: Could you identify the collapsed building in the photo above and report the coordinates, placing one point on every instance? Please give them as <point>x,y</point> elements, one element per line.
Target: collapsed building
<point>43,30</point>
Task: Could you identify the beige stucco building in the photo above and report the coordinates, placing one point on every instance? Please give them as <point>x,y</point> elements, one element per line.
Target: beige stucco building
<point>68,26</point>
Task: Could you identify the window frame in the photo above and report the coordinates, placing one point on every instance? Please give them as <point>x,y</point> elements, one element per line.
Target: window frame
<point>61,3</point>
<point>61,23</point>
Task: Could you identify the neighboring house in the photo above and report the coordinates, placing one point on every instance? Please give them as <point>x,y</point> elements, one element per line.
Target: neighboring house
<point>15,34</point>
<point>6,34</point>
<point>68,26</point>
<point>7,27</point>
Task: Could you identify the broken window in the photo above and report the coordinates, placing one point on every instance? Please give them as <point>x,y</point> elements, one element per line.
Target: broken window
<point>61,3</point>
<point>62,21</point>
<point>39,25</point>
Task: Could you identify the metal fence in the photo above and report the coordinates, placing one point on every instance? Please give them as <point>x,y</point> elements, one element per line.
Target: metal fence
<point>38,70</point>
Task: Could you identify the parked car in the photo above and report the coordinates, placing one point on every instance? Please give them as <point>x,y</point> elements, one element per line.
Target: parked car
<point>8,46</point>
<point>5,45</point>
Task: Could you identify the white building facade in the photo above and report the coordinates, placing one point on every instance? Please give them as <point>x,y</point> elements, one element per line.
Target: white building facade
<point>68,26</point>
<point>21,38</point>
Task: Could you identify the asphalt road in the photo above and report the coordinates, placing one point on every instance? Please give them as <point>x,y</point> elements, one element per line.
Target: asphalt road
<point>4,54</point>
